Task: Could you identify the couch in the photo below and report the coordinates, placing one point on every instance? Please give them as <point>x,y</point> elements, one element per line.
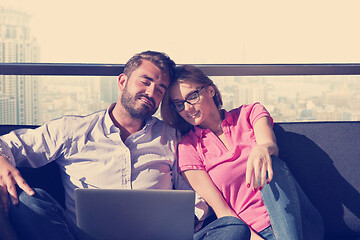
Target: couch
<point>324,157</point>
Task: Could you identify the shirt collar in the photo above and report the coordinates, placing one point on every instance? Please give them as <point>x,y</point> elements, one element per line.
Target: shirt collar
<point>149,122</point>
<point>228,117</point>
<point>109,126</point>
<point>199,132</point>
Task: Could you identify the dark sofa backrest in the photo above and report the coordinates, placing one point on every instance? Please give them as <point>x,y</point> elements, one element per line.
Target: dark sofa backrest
<point>325,159</point>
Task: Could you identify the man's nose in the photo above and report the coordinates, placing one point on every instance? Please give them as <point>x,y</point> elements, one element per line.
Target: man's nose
<point>150,90</point>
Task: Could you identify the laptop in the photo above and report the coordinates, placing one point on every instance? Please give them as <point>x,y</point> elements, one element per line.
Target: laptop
<point>135,214</point>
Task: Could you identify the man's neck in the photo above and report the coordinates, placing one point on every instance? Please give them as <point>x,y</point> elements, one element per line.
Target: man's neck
<point>125,122</point>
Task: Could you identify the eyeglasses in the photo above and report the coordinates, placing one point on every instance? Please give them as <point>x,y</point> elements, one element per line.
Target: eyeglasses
<point>192,99</point>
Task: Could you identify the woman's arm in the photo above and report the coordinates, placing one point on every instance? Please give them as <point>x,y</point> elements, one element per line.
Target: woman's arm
<point>259,160</point>
<point>201,182</point>
<point>265,135</point>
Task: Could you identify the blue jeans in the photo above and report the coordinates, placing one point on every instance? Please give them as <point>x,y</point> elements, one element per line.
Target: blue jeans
<point>267,233</point>
<point>291,213</point>
<point>40,217</point>
<point>225,228</point>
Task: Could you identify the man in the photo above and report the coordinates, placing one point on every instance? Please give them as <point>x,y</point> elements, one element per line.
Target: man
<point>107,149</point>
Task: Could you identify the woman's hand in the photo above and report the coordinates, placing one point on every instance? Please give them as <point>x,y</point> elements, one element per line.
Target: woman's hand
<point>259,167</point>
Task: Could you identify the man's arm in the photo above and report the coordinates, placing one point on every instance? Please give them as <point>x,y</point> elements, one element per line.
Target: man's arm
<point>30,148</point>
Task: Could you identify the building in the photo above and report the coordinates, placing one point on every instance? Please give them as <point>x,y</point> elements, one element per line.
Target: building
<point>18,93</point>
<point>250,93</point>
<point>109,90</point>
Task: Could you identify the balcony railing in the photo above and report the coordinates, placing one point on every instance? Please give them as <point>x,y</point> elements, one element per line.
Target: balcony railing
<point>301,92</point>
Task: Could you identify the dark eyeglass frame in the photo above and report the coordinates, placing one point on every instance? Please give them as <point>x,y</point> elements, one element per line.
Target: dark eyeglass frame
<point>180,105</point>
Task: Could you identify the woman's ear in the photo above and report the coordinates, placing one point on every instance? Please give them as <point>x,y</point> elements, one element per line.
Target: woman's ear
<point>212,91</point>
<point>122,81</point>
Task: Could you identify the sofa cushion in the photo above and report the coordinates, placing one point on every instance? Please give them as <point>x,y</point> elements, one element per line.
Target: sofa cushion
<point>325,159</point>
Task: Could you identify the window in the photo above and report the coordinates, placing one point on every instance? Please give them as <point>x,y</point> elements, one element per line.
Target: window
<point>194,32</point>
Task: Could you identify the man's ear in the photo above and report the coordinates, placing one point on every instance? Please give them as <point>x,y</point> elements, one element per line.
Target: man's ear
<point>122,81</point>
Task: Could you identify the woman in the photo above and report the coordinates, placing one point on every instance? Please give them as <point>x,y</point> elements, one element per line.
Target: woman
<point>230,159</point>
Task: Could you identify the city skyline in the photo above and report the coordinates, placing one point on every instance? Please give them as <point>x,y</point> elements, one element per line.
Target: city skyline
<point>35,100</point>
<point>332,98</point>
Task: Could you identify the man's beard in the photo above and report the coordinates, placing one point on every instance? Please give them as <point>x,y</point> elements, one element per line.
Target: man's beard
<point>129,103</point>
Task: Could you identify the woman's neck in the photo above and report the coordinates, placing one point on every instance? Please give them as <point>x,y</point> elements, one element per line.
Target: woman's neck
<point>214,123</point>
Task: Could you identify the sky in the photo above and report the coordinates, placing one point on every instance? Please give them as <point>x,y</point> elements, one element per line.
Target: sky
<point>195,31</point>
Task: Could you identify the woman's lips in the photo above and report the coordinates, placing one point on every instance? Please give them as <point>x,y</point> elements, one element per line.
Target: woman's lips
<point>194,114</point>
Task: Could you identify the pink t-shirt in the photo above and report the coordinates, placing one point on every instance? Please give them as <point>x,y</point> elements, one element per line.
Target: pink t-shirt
<point>201,149</point>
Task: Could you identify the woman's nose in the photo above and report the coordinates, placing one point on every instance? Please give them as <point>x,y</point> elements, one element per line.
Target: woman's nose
<point>187,106</point>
